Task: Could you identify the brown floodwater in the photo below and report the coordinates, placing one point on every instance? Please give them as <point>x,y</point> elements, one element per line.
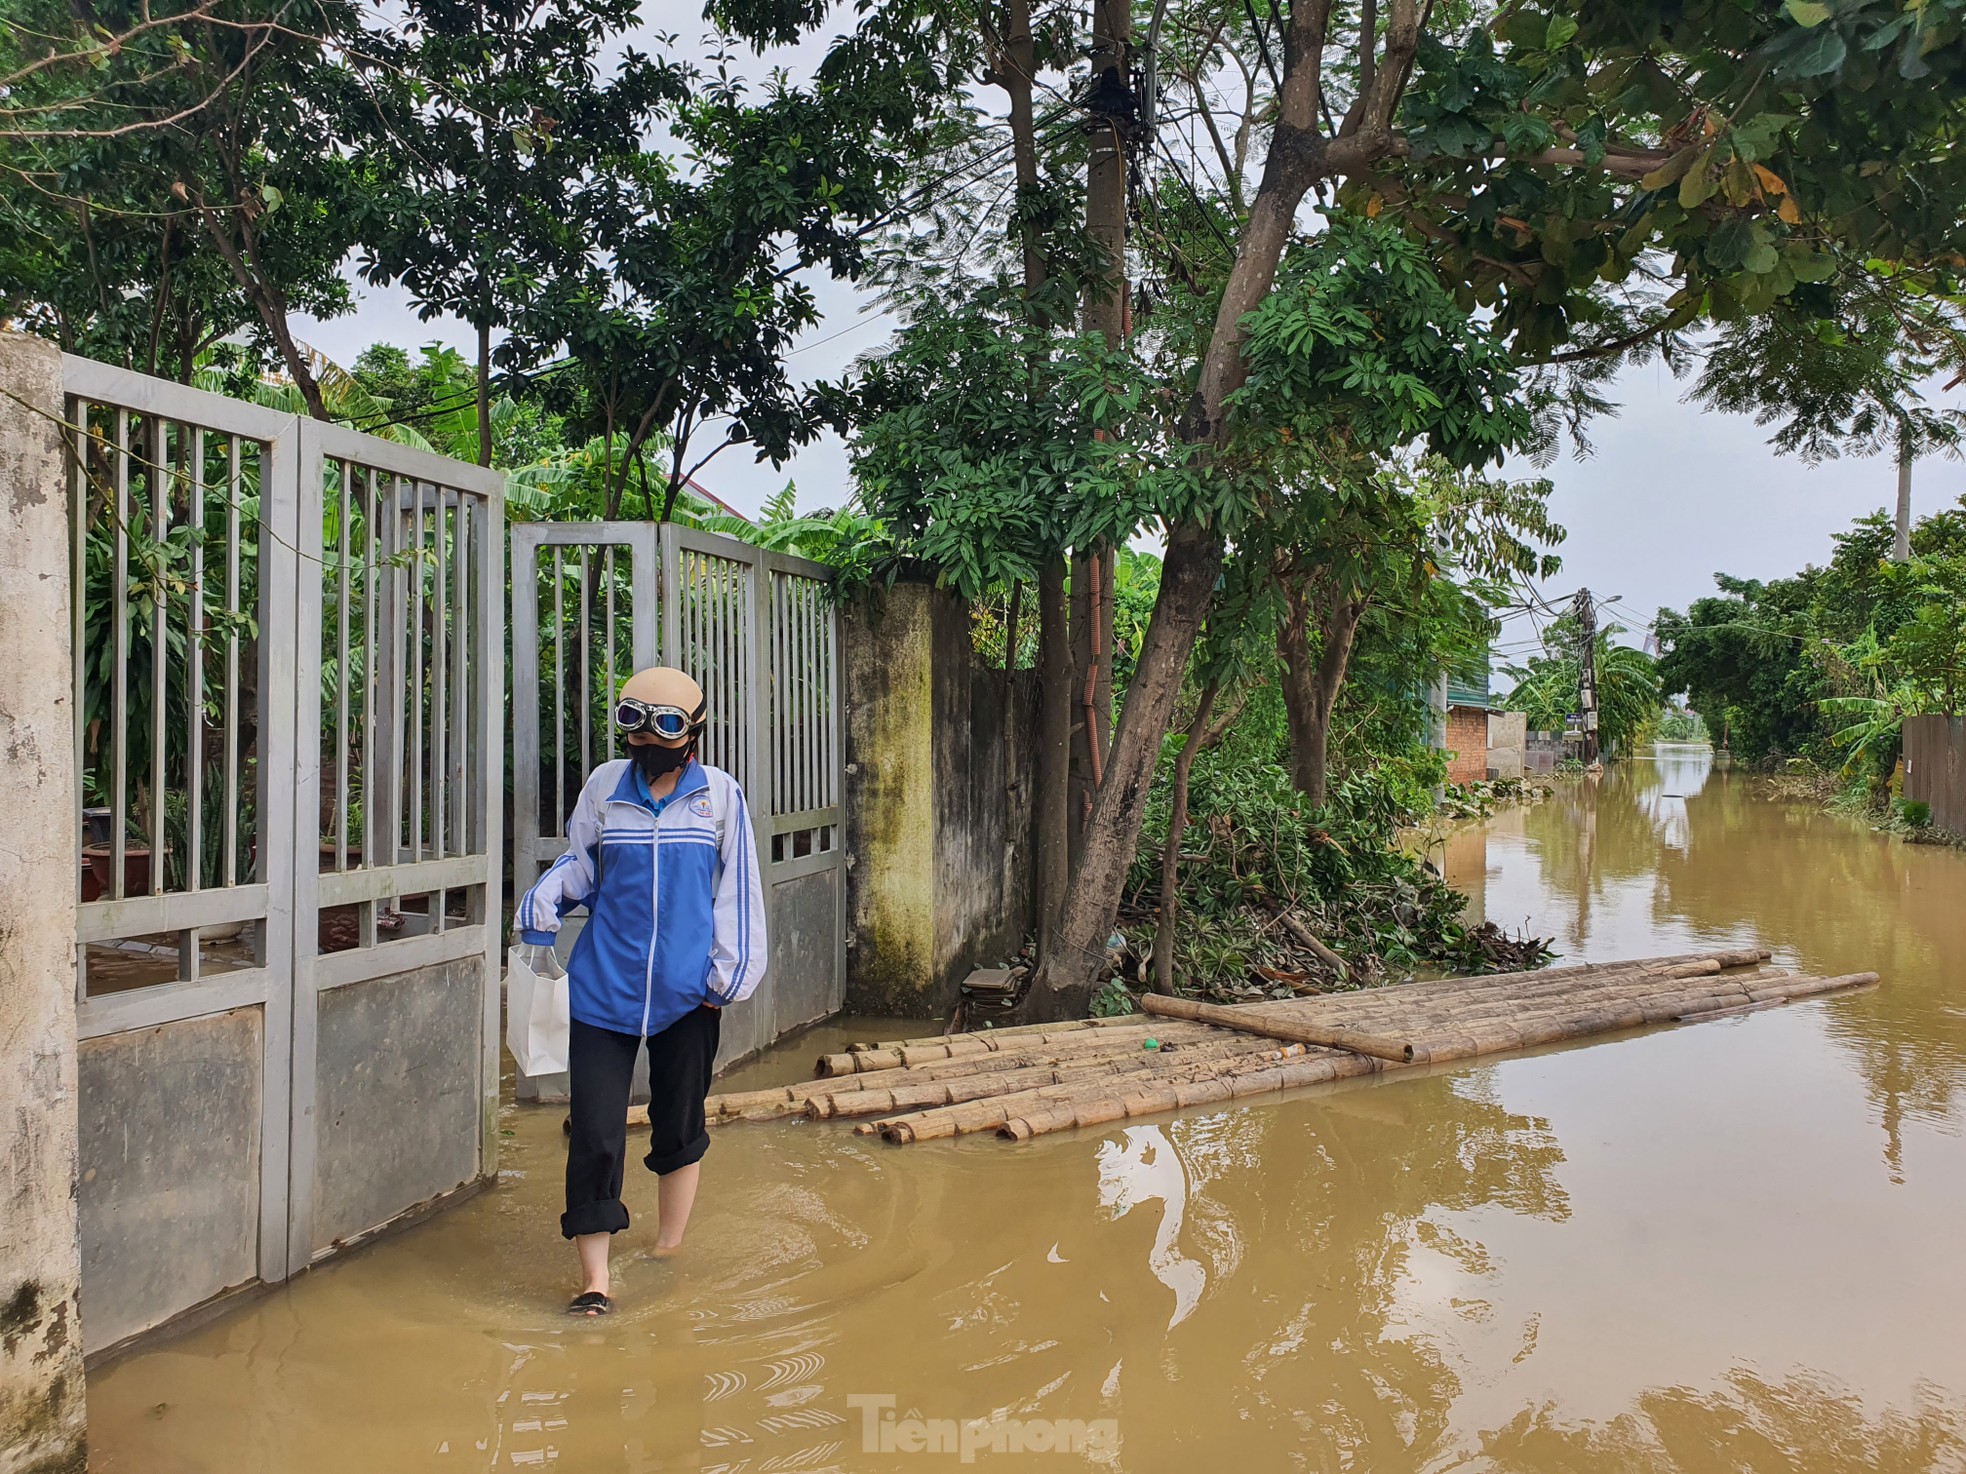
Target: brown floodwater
<point>1735,1246</point>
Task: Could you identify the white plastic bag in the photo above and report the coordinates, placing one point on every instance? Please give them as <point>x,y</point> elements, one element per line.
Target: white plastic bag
<point>538,1017</point>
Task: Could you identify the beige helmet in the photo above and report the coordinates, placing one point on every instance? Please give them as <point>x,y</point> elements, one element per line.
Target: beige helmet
<point>663,702</point>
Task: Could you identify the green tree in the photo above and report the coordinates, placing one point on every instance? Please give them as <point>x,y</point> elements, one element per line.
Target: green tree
<point>165,180</point>
<point>500,159</point>
<point>1542,162</point>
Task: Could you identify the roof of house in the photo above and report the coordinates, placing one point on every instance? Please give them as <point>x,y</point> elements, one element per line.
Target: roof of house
<point>697,488</point>
<point>1464,692</point>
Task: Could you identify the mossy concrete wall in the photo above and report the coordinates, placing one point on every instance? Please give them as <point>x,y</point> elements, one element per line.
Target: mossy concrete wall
<point>937,802</point>
<point>41,1412</point>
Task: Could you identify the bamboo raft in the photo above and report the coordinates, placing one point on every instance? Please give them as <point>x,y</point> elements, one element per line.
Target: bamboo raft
<point>1032,1080</point>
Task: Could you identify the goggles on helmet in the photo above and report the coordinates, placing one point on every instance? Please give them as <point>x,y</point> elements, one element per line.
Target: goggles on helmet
<point>666,722</point>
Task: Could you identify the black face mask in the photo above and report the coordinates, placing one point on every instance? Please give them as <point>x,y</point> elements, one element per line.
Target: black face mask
<point>655,760</point>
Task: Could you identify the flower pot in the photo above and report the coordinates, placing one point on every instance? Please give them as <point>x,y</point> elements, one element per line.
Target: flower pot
<point>136,869</point>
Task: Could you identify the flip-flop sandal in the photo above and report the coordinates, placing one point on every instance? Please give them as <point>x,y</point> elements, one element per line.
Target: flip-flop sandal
<point>591,1304</point>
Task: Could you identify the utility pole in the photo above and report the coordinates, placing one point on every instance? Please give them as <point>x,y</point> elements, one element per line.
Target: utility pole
<point>1901,544</point>
<point>1586,611</point>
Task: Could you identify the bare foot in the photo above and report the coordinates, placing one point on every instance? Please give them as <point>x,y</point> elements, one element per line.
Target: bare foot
<point>660,1250</point>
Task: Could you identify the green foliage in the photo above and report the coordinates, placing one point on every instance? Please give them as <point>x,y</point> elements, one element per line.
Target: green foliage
<point>1827,663</point>
<point>1843,376</point>
<point>1763,149</point>
<point>1360,346</point>
<point>1252,847</point>
<point>503,144</point>
<point>1676,725</point>
<point>684,280</point>
<point>1113,1000</point>
<point>143,244</point>
<point>993,445</point>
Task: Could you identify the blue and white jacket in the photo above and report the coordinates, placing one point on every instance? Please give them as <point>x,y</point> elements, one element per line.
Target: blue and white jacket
<point>676,915</point>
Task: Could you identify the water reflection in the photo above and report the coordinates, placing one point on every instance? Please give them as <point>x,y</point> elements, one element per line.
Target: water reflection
<point>1141,1167</point>
<point>1660,854</point>
<point>1726,1249</point>
<point>1799,1423</point>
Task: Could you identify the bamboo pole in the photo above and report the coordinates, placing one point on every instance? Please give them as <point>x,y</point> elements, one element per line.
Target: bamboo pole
<point>1273,1027</point>
<point>909,1057</point>
<point>1030,1082</point>
<point>1180,1039</point>
<point>980,1086</point>
<point>1467,992</point>
<point>1067,1113</point>
<point>989,1113</point>
<point>1601,991</point>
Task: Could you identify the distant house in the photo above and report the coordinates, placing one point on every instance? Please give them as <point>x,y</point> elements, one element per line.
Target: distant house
<point>697,488</point>
<point>1466,735</point>
<point>1480,742</point>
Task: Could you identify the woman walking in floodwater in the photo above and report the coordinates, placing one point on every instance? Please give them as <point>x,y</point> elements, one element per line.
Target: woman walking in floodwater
<point>659,851</point>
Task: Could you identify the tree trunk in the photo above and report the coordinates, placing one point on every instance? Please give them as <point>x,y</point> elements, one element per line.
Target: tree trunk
<point>1310,687</point>
<point>1103,311</point>
<point>1170,855</point>
<point>1308,736</point>
<point>1067,972</point>
<point>1017,78</point>
<point>484,394</point>
<point>1052,842</point>
<point>1092,684</point>
<point>1051,803</point>
<point>268,301</point>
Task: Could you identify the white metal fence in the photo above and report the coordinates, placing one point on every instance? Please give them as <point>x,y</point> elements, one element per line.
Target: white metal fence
<point>288,739</point>
<point>594,602</point>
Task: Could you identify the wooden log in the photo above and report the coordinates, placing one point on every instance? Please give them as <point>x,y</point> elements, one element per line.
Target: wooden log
<point>1273,1027</point>
<point>1393,1003</point>
<point>1621,988</point>
<point>1411,1021</point>
<point>1613,1015</point>
<point>1064,1115</point>
<point>986,1113</point>
<point>1398,993</point>
<point>1774,997</point>
<point>813,1097</point>
<point>1732,957</point>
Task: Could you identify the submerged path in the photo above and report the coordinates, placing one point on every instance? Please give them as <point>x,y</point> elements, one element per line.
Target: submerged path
<point>1733,1247</point>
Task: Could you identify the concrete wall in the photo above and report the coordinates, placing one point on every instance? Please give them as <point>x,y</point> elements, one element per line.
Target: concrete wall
<point>42,1425</point>
<point>1467,744</point>
<point>1935,768</point>
<point>1508,740</point>
<point>938,802</point>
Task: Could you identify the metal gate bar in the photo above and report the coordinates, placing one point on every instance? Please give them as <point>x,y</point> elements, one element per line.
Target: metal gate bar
<point>759,632</point>
<point>222,536</point>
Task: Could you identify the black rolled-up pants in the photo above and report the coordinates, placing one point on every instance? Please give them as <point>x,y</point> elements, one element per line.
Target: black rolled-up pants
<point>600,1063</point>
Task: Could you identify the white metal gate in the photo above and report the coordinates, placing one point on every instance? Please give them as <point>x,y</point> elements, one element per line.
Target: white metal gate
<point>592,603</point>
<point>288,743</point>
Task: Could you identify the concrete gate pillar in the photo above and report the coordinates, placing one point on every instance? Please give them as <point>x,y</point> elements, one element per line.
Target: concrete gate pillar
<point>939,778</point>
<point>42,1428</point>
